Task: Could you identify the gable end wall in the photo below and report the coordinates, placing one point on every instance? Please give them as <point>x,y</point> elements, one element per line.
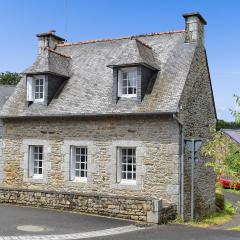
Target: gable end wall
<point>197,114</point>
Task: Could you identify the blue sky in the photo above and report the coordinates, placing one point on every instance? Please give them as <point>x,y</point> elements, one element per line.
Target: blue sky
<point>80,20</point>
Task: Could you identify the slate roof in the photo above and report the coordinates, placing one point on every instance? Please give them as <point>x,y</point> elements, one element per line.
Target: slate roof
<point>51,61</point>
<point>136,52</point>
<point>234,134</point>
<point>89,88</point>
<point>5,92</point>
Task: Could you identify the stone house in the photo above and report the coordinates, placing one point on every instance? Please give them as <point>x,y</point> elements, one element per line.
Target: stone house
<point>99,126</point>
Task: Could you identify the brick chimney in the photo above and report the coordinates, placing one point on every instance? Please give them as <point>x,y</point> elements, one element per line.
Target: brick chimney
<point>48,40</point>
<point>194,26</point>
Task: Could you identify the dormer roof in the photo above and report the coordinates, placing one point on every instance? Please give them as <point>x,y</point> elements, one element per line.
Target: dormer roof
<point>51,61</point>
<point>135,52</point>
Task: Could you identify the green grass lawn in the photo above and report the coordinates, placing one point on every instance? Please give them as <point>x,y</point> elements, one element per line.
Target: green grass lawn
<point>216,218</point>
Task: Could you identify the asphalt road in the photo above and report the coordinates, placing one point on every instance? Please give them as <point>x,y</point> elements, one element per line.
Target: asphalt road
<point>175,232</point>
<point>58,223</point>
<point>55,222</point>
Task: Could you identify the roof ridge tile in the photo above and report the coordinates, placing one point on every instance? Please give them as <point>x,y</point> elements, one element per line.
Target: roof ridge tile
<point>61,54</point>
<point>119,38</point>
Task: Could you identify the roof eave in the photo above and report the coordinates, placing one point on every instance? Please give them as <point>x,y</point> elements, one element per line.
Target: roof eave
<point>170,114</point>
<point>45,72</point>
<point>133,65</point>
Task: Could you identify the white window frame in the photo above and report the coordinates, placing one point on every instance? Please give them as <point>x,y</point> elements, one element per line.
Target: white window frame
<point>83,164</point>
<point>35,79</point>
<point>33,159</point>
<point>123,166</point>
<point>31,88</point>
<point>120,82</point>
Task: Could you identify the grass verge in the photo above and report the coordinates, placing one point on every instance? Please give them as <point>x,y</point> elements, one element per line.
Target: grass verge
<point>214,219</point>
<point>236,228</point>
<point>235,191</point>
<point>217,218</point>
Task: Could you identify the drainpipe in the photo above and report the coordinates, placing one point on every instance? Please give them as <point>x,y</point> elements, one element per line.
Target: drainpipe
<point>181,163</point>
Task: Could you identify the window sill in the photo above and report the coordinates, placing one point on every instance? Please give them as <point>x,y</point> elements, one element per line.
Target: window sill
<point>82,179</point>
<point>38,100</point>
<point>128,182</point>
<point>38,176</point>
<point>128,96</point>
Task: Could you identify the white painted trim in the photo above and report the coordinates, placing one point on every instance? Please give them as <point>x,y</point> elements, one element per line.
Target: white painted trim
<point>115,182</point>
<point>36,77</point>
<point>24,164</point>
<point>91,168</point>
<point>83,235</point>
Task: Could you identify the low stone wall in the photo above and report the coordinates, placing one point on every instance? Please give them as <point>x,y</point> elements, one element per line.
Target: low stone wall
<point>133,208</point>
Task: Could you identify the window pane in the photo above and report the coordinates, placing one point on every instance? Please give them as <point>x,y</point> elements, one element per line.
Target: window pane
<point>134,176</point>
<point>124,83</point>
<point>77,173</point>
<point>77,157</point>
<point>124,151</point>
<point>129,151</point>
<point>124,91</point>
<point>129,168</point>
<point>131,82</point>
<point>77,165</point>
<point>124,75</point>
<point>129,176</point>
<point>82,151</point>
<point>83,158</point>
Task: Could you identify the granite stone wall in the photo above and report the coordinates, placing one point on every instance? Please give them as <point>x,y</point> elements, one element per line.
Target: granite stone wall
<point>157,154</point>
<point>132,208</point>
<point>197,114</point>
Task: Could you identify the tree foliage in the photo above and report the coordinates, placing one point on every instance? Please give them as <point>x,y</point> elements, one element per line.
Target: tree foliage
<point>224,151</point>
<point>9,78</point>
<point>224,124</point>
<point>236,112</point>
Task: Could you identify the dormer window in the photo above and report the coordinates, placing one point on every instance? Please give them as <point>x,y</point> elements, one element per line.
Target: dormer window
<point>127,80</point>
<point>36,88</point>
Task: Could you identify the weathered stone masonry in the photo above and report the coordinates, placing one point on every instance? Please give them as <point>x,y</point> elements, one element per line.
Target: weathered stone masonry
<point>198,114</point>
<point>157,146</point>
<point>133,208</point>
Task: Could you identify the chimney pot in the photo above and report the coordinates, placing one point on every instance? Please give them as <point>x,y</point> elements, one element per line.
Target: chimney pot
<point>48,40</point>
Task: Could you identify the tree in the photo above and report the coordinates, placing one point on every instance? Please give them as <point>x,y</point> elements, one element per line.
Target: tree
<point>224,124</point>
<point>9,78</point>
<point>224,152</point>
<point>236,113</point>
